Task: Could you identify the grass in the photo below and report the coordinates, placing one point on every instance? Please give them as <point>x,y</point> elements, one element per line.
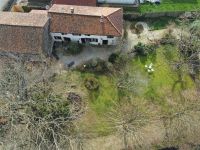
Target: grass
<point>160,23</point>
<point>162,84</point>
<point>164,80</point>
<point>156,23</point>
<point>106,96</point>
<point>171,6</point>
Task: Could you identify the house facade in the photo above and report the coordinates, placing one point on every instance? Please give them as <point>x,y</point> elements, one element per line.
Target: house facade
<point>24,33</point>
<point>82,24</point>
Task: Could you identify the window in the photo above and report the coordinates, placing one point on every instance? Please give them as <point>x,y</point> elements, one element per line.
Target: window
<point>105,42</point>
<point>88,40</point>
<point>94,40</point>
<point>76,34</point>
<point>67,39</point>
<point>57,38</point>
<point>110,36</point>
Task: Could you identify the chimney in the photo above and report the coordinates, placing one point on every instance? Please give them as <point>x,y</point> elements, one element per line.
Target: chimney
<point>72,10</point>
<point>101,19</point>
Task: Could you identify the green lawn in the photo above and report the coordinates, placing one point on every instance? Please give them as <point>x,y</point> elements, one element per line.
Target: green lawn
<point>171,6</point>
<point>164,81</point>
<point>161,85</point>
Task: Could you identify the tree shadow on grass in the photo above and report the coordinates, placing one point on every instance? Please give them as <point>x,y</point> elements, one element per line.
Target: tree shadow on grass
<point>179,81</point>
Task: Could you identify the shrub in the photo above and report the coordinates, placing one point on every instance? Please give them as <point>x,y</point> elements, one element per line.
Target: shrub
<point>195,28</point>
<point>54,106</point>
<point>143,50</point>
<point>26,8</point>
<point>139,28</point>
<point>132,25</point>
<point>95,65</point>
<point>91,83</point>
<point>168,39</point>
<point>113,58</point>
<point>75,101</point>
<point>74,48</point>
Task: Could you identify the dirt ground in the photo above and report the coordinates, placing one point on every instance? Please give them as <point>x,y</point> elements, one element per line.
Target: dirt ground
<point>88,52</point>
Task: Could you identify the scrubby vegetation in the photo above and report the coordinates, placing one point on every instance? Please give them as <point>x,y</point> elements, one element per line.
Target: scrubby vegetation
<point>91,83</point>
<point>144,50</point>
<point>74,48</point>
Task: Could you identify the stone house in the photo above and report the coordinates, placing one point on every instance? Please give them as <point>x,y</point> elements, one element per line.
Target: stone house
<point>84,24</point>
<point>24,33</point>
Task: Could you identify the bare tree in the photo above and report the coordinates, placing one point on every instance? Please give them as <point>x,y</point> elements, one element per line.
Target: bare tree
<point>127,119</point>
<point>35,117</point>
<point>182,120</point>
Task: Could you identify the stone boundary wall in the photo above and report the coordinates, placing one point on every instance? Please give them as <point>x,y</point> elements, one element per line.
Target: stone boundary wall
<point>131,16</point>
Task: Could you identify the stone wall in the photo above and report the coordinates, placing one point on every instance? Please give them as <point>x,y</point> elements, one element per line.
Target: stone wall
<point>130,16</point>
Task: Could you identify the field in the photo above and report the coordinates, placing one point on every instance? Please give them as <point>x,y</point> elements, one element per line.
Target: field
<point>171,6</point>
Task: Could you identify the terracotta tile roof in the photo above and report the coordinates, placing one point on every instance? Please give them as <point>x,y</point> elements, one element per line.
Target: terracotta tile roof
<point>83,10</point>
<point>76,2</point>
<point>23,19</point>
<point>86,20</point>
<point>35,11</point>
<point>23,32</point>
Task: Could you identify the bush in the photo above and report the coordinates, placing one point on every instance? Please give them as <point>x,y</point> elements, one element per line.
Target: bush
<point>144,50</point>
<point>139,28</point>
<point>91,83</point>
<point>26,8</point>
<point>113,58</point>
<point>74,48</point>
<point>132,25</point>
<point>54,106</point>
<point>75,101</point>
<point>95,65</point>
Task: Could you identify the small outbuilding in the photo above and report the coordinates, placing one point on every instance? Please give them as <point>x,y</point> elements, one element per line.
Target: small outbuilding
<point>25,33</point>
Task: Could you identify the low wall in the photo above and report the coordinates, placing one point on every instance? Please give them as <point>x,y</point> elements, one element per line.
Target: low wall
<point>131,16</point>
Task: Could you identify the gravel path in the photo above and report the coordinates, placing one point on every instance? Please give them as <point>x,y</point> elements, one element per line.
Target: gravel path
<point>88,53</point>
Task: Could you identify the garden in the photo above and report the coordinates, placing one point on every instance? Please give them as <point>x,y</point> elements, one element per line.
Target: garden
<point>152,84</point>
<point>144,98</point>
<point>147,80</point>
